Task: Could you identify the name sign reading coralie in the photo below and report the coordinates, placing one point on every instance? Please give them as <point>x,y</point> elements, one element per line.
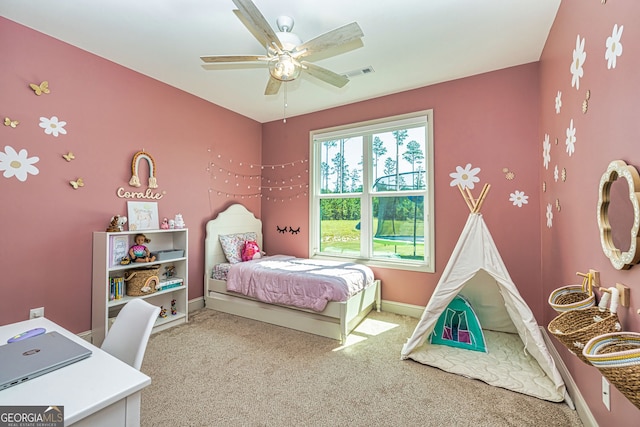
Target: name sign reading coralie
<point>149,194</point>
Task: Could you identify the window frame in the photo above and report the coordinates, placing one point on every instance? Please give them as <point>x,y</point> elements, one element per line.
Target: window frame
<point>386,124</point>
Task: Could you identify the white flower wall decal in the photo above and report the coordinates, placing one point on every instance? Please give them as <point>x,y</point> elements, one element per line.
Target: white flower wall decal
<point>53,126</point>
<point>549,215</point>
<point>558,102</point>
<point>579,57</point>
<point>17,164</point>
<point>518,198</point>
<point>546,151</point>
<point>614,47</point>
<point>570,142</point>
<point>466,176</point>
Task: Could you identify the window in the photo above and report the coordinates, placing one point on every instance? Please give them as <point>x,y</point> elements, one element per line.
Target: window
<point>372,192</point>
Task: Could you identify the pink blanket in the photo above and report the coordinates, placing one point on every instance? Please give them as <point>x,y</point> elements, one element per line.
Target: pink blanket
<point>303,283</point>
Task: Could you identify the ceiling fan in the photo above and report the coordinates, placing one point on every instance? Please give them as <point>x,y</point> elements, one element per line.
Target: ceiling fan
<point>285,50</point>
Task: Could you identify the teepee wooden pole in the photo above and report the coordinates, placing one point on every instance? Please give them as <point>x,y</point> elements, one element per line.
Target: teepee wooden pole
<point>483,194</point>
<point>465,197</point>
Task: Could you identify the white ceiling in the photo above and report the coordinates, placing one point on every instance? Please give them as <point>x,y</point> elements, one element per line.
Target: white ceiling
<point>409,43</point>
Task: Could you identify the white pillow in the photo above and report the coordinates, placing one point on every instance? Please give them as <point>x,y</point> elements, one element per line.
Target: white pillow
<point>232,245</point>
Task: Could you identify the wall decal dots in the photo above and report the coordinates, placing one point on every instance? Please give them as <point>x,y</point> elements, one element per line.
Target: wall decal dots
<point>585,103</point>
<point>509,175</point>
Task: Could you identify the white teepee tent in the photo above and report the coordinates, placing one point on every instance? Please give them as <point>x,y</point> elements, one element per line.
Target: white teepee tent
<point>517,357</point>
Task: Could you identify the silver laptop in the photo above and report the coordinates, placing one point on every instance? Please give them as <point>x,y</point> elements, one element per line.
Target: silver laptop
<point>23,360</point>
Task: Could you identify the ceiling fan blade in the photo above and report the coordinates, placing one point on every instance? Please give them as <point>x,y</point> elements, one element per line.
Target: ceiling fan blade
<point>333,38</point>
<point>273,86</point>
<point>234,58</point>
<point>256,24</point>
<point>252,29</point>
<point>324,74</point>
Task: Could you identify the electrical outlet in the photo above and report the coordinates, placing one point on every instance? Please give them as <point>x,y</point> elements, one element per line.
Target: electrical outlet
<point>606,397</point>
<point>36,312</point>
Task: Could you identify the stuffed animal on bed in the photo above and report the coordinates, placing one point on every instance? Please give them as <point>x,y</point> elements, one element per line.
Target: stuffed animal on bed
<point>250,251</point>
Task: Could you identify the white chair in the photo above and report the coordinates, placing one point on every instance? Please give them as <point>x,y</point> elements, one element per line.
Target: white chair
<point>127,339</point>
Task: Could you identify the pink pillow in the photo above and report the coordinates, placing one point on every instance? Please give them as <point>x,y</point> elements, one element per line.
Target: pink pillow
<point>250,250</point>
<point>232,245</point>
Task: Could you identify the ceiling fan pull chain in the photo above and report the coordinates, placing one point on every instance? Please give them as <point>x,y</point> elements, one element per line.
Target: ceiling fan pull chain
<point>284,110</point>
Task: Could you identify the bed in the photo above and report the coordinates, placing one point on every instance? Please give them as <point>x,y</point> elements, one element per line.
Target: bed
<point>336,320</point>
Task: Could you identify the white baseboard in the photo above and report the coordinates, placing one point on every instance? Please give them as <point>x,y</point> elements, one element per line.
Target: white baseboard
<point>402,309</point>
<point>581,406</point>
<point>196,304</point>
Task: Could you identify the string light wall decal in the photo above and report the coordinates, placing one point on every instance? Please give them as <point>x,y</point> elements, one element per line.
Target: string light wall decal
<point>240,180</point>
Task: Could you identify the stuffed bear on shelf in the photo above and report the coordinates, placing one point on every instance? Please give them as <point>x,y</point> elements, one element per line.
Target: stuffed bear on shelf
<point>117,223</point>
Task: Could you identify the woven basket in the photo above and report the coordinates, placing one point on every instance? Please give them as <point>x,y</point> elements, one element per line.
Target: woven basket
<point>576,327</point>
<point>142,281</point>
<point>573,297</point>
<point>617,357</point>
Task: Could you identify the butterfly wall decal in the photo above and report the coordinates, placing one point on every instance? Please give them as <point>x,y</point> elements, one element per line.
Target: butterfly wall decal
<point>11,123</point>
<point>77,183</point>
<point>69,156</point>
<point>41,88</point>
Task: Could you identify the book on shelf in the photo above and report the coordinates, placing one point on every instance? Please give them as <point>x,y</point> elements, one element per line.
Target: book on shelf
<point>117,289</point>
<point>173,282</point>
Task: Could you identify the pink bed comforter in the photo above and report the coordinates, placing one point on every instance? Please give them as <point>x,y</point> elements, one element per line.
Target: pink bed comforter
<point>303,283</point>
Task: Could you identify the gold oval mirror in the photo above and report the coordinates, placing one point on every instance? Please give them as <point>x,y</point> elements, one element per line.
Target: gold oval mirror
<point>619,214</point>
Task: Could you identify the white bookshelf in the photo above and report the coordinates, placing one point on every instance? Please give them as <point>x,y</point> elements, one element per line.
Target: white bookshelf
<point>108,249</point>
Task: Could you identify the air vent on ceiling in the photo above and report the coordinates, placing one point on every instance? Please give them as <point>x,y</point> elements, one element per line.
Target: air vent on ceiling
<point>359,72</point>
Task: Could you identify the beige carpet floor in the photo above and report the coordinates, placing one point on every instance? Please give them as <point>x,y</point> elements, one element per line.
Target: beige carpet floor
<point>223,370</point>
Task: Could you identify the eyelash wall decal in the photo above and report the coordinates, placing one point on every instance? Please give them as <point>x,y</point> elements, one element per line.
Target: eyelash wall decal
<point>296,231</point>
<point>281,230</point>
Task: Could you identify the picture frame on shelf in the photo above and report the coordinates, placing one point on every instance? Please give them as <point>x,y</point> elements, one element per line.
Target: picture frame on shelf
<point>143,216</point>
<point>118,249</point>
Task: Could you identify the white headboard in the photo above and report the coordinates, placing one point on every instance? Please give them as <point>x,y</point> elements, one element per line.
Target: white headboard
<point>235,219</point>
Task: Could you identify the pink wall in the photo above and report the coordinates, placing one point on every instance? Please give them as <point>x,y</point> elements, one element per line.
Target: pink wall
<point>493,121</point>
<point>608,131</point>
<point>490,121</point>
<point>111,113</point>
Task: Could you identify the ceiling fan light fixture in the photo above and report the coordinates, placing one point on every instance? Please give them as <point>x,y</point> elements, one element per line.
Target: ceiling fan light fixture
<point>284,23</point>
<point>284,68</point>
<point>289,41</point>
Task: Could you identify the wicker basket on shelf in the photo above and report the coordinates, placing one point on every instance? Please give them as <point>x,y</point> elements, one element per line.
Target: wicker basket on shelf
<point>142,281</point>
<point>617,357</point>
<point>574,297</point>
<point>576,327</point>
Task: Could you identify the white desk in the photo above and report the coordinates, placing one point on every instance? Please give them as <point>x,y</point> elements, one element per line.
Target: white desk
<point>98,391</point>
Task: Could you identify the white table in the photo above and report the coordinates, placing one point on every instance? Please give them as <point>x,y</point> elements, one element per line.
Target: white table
<point>98,391</point>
